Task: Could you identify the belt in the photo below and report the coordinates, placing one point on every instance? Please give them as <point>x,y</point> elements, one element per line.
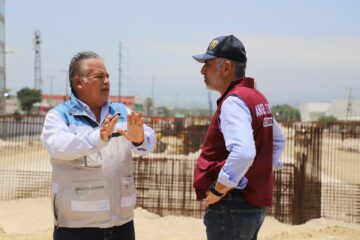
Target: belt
<point>235,193</point>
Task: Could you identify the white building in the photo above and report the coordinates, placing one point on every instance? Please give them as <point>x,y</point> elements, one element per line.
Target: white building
<point>12,105</point>
<point>340,109</point>
<point>313,111</point>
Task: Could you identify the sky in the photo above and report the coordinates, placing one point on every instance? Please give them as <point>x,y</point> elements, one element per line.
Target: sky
<point>298,51</point>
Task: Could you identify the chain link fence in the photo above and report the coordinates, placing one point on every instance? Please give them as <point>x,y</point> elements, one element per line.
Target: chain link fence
<point>319,179</point>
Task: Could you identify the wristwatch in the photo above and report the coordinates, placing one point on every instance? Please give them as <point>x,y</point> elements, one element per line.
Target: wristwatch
<point>214,191</point>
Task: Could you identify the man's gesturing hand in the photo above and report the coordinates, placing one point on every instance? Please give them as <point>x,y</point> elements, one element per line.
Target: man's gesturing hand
<point>135,129</point>
<point>108,127</point>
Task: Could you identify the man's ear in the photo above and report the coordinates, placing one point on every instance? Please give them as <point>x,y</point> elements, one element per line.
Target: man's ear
<point>78,84</point>
<point>228,68</point>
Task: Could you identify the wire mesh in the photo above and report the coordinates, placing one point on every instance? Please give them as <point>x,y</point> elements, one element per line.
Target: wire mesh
<point>319,179</point>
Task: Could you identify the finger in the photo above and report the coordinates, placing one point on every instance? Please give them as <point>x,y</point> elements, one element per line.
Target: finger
<point>137,118</point>
<point>134,118</point>
<point>114,120</point>
<point>130,118</point>
<point>141,122</point>
<point>104,134</point>
<point>108,117</point>
<point>204,204</point>
<point>111,125</point>
<point>106,122</point>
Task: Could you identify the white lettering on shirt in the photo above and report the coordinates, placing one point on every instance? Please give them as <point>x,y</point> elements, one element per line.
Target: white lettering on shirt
<point>262,109</point>
<point>268,121</point>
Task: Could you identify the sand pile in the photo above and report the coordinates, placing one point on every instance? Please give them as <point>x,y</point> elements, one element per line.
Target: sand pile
<point>31,219</point>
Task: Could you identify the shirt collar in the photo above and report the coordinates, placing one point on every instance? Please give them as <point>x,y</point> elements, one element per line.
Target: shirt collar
<point>244,81</point>
<point>81,108</point>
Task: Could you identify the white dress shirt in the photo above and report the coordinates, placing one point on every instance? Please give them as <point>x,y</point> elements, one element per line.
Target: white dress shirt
<point>235,124</point>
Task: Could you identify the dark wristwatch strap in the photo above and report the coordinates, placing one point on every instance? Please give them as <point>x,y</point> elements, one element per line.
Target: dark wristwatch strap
<point>213,190</point>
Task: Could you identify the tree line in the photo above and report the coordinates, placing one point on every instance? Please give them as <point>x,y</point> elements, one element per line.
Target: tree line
<point>282,112</point>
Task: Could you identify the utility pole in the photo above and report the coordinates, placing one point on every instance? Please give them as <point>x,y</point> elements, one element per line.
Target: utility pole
<point>2,61</point>
<point>66,84</point>
<point>152,94</point>
<point>51,90</point>
<point>37,61</point>
<point>349,105</point>
<point>119,87</point>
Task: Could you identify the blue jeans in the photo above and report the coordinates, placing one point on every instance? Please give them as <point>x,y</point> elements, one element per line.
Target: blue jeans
<point>233,218</point>
<point>123,232</point>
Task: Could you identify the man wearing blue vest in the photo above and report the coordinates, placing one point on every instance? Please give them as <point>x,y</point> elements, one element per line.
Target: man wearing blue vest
<point>90,141</point>
<point>242,147</point>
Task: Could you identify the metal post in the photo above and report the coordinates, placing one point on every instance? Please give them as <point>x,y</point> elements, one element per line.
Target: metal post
<point>119,87</point>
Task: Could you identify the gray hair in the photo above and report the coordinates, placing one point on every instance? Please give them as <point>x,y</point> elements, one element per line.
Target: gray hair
<point>76,68</point>
<point>239,67</point>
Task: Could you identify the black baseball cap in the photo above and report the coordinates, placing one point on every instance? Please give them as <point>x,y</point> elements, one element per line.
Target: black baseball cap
<point>228,47</point>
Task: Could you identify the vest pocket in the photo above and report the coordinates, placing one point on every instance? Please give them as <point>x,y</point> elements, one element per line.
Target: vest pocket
<point>128,197</point>
<point>202,180</point>
<point>85,202</point>
<point>93,160</point>
<point>204,165</point>
<point>206,172</point>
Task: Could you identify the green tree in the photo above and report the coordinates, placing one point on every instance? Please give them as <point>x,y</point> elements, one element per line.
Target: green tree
<point>285,112</point>
<point>326,121</point>
<point>28,97</point>
<point>163,111</point>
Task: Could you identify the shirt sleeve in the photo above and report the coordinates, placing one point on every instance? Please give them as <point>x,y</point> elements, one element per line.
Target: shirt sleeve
<point>278,146</point>
<point>235,124</point>
<point>64,144</point>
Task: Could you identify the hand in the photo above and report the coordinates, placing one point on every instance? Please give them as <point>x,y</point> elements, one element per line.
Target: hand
<point>210,199</point>
<point>135,129</point>
<point>108,127</point>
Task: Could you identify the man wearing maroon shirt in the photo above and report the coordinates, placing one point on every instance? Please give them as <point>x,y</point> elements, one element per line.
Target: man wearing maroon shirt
<point>233,174</point>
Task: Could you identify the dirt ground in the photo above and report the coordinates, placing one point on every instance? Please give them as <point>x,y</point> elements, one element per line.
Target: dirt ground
<point>31,219</point>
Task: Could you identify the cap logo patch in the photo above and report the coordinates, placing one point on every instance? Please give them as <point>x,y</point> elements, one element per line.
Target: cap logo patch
<point>213,44</point>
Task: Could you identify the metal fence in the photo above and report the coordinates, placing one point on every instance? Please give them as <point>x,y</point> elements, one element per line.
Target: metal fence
<point>24,164</point>
<point>320,177</point>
